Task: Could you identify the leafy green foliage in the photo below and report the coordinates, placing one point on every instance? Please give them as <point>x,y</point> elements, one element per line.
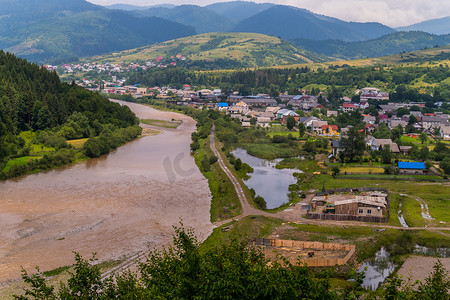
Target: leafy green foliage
<point>261,202</point>
<point>353,145</point>
<point>290,122</point>
<point>233,270</point>
<point>33,98</point>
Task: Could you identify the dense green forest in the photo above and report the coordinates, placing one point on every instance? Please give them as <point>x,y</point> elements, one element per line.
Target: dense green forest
<point>38,113</point>
<point>336,81</point>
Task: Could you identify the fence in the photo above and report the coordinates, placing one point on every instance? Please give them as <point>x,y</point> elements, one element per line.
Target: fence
<point>320,216</point>
<point>313,262</point>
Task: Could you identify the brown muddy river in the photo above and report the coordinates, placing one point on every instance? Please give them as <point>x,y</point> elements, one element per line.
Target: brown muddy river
<point>115,205</point>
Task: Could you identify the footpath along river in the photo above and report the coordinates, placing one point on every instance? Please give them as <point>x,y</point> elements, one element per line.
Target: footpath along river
<point>114,205</point>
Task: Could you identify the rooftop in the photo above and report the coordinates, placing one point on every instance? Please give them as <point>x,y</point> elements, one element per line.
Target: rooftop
<point>411,165</point>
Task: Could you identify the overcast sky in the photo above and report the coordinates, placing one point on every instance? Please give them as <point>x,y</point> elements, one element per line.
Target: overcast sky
<point>389,12</point>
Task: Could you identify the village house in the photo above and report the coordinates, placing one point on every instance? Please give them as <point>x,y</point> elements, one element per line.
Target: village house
<point>317,126</point>
<point>431,122</point>
<point>273,109</point>
<point>370,128</point>
<point>404,149</point>
<point>380,144</point>
<point>368,119</point>
<point>373,205</point>
<point>336,148</point>
<point>411,167</point>
<point>369,140</point>
<point>363,104</point>
<point>393,123</point>
<point>240,107</point>
<point>360,207</point>
<point>330,130</point>
<point>263,121</point>
<point>266,114</point>
<point>260,101</point>
<point>347,107</point>
<point>373,90</point>
<point>444,132</point>
<point>307,121</point>
<point>376,96</point>
<point>332,113</point>
<point>288,114</point>
<point>222,106</point>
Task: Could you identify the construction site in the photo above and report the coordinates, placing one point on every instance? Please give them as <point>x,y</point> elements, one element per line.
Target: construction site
<point>313,254</point>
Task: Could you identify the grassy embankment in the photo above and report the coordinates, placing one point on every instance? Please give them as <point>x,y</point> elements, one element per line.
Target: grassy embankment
<point>38,150</point>
<point>162,123</point>
<point>222,190</point>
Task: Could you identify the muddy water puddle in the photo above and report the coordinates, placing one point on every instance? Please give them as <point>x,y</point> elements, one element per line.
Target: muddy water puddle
<point>114,205</point>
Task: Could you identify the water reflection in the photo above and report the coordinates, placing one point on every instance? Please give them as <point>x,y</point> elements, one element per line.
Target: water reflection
<point>268,182</point>
<point>439,252</point>
<point>377,270</point>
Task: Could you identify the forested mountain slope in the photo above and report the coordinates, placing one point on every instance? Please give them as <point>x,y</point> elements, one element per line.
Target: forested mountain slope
<point>45,29</point>
<point>393,43</point>
<point>35,100</point>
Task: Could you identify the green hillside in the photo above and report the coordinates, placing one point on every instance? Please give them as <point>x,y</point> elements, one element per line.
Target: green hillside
<point>232,49</point>
<point>78,29</point>
<point>397,42</point>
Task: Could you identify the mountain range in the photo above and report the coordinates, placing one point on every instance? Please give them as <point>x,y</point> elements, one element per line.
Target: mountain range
<point>435,26</point>
<point>287,22</point>
<point>397,42</point>
<point>42,30</point>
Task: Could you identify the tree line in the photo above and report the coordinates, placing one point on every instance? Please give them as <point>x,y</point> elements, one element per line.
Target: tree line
<point>339,80</point>
<point>34,99</point>
<point>234,270</point>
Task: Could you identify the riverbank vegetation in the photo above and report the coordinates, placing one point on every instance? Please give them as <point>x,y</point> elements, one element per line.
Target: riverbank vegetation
<point>39,114</point>
<point>229,270</point>
<point>162,123</point>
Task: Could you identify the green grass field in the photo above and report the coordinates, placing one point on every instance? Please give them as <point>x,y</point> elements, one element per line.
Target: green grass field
<point>271,151</point>
<point>222,190</point>
<point>436,195</point>
<point>251,49</point>
<point>18,161</point>
<point>368,170</point>
<point>162,123</point>
<point>78,144</point>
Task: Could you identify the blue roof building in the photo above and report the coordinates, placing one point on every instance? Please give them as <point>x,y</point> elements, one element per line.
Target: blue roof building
<point>411,165</point>
<point>407,167</point>
<point>223,104</point>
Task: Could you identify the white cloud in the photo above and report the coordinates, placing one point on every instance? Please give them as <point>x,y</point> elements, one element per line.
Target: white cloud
<point>389,12</point>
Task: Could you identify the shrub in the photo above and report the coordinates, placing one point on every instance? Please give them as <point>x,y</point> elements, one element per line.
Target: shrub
<point>260,202</point>
<point>213,159</point>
